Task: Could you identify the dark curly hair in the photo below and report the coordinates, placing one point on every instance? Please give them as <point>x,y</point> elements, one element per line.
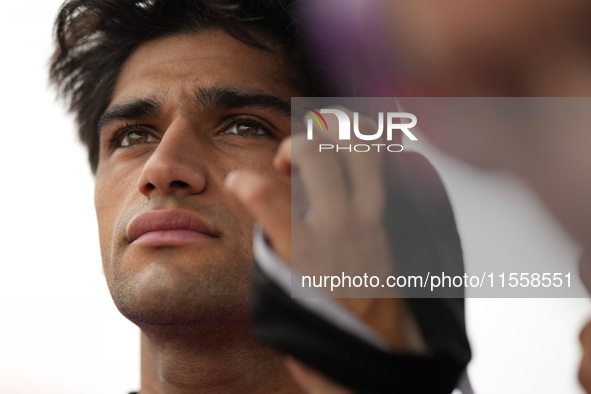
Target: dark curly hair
<point>94,38</point>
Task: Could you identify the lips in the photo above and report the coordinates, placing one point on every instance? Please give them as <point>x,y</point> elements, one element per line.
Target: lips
<point>169,228</point>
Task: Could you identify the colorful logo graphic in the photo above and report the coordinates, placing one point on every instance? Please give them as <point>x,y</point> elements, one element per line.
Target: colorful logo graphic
<point>315,115</point>
<point>388,123</point>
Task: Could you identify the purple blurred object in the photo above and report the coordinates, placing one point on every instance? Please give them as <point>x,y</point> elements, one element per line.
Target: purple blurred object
<point>350,41</point>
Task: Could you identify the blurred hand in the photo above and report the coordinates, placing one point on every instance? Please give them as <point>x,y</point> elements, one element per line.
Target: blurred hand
<point>341,229</point>
<point>585,365</point>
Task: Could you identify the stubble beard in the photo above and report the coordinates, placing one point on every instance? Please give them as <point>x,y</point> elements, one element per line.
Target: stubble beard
<point>184,291</point>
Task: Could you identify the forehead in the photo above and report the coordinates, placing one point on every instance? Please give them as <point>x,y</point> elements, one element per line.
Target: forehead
<point>183,62</point>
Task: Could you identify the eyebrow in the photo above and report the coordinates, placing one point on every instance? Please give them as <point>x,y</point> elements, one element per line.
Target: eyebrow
<point>214,97</point>
<point>134,109</point>
<point>208,98</point>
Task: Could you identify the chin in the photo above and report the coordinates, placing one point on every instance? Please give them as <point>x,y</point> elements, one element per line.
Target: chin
<point>161,294</point>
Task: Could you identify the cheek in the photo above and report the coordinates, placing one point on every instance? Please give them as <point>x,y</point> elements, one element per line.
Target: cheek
<point>104,220</point>
<point>261,164</point>
<point>110,194</point>
<point>259,160</point>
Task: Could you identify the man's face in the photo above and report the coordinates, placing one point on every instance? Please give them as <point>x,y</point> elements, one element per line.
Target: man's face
<point>186,110</point>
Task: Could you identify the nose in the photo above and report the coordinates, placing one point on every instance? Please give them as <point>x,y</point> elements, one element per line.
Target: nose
<point>175,165</point>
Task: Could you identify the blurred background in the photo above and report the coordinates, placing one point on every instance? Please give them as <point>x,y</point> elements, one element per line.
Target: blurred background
<point>59,330</point>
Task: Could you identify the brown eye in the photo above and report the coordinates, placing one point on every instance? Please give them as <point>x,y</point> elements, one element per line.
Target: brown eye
<point>246,129</point>
<point>136,137</point>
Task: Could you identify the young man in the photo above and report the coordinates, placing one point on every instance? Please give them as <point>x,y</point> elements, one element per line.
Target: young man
<point>168,103</point>
<point>170,97</point>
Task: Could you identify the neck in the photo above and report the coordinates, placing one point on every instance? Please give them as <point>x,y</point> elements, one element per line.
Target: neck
<point>222,360</point>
